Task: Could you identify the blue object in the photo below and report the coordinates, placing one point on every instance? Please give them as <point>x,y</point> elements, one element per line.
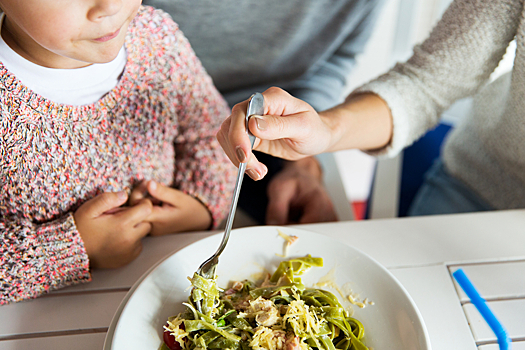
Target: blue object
<point>417,159</point>
<point>480,304</point>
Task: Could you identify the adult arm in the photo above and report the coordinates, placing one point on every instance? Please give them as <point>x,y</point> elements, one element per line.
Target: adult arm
<point>455,61</point>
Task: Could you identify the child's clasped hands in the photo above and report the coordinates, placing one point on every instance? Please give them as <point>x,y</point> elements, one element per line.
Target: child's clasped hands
<point>113,224</point>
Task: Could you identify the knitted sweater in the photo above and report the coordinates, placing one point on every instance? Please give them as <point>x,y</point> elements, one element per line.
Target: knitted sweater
<point>485,150</point>
<point>158,123</point>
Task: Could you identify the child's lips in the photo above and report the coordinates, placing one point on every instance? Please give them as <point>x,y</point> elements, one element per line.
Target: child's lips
<point>108,37</point>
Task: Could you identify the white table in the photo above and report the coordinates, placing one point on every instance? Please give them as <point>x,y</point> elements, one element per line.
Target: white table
<point>420,252</point>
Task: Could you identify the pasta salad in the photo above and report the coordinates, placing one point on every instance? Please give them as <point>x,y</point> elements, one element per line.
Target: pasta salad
<point>280,313</point>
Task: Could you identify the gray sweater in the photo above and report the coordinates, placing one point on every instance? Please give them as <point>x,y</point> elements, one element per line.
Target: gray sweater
<point>307,47</point>
<point>487,149</point>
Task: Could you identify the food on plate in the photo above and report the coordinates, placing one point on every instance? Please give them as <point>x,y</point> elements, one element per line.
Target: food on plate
<point>280,313</point>
<point>288,241</point>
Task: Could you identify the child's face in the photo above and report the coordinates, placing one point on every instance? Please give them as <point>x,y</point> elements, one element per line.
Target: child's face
<point>67,33</point>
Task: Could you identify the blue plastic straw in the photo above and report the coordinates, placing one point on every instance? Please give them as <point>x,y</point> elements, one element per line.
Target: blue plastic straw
<point>480,304</point>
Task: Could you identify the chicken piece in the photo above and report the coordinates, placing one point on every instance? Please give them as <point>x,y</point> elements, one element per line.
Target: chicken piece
<point>267,318</point>
<point>266,313</point>
<point>237,286</point>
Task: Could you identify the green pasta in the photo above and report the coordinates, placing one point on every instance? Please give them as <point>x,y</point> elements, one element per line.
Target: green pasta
<point>279,314</point>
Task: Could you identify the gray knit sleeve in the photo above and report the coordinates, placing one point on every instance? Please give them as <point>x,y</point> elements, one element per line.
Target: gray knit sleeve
<point>454,62</point>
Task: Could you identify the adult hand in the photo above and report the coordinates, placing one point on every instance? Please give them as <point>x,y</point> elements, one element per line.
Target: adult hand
<point>112,234</point>
<point>297,195</point>
<point>173,210</point>
<point>290,129</point>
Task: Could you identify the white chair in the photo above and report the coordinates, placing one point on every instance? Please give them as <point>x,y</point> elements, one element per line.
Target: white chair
<point>334,186</point>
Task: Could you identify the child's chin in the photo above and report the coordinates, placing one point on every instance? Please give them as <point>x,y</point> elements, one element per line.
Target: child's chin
<point>105,57</point>
<point>104,53</point>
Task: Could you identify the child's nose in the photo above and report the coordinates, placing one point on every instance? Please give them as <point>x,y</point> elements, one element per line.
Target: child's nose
<point>104,8</point>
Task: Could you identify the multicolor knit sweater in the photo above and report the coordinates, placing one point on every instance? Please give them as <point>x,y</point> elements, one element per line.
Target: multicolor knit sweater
<point>158,123</point>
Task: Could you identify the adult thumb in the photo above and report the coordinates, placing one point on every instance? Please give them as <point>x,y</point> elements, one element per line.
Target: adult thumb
<point>276,127</point>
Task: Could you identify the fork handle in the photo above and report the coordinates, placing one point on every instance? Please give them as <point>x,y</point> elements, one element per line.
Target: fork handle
<point>233,207</point>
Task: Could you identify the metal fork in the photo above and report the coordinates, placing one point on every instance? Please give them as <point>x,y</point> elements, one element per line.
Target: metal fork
<point>208,267</point>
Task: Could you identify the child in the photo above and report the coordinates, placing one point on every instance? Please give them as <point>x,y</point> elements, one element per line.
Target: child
<point>98,98</point>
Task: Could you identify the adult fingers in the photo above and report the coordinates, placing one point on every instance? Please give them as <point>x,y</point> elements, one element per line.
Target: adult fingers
<point>276,127</point>
<point>317,211</point>
<point>271,126</point>
<point>224,141</point>
<point>239,142</point>
<point>290,128</point>
<point>279,102</point>
<point>255,169</point>
<point>104,202</point>
<point>283,115</point>
<point>280,196</point>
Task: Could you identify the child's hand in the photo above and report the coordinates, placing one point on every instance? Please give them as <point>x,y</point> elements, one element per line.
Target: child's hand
<point>173,210</point>
<point>112,235</point>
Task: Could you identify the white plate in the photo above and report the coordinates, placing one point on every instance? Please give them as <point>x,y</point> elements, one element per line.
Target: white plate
<point>393,322</point>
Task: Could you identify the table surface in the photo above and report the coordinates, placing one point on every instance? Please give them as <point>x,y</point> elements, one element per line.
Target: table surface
<point>420,252</point>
